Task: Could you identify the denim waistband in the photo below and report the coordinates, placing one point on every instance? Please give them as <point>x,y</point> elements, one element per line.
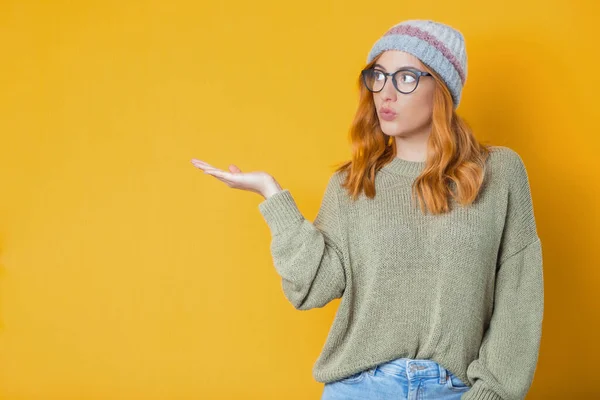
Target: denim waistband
<point>413,368</point>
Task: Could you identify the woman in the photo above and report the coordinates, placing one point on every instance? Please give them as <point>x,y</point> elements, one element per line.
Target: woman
<point>426,235</point>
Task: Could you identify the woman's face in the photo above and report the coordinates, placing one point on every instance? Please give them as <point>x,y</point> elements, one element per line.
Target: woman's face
<point>413,110</point>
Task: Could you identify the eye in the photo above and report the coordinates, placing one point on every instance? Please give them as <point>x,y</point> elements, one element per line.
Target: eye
<point>378,75</point>
<point>407,77</point>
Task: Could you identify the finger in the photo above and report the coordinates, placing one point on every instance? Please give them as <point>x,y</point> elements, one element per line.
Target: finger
<point>199,163</point>
<point>221,177</point>
<point>218,173</point>
<point>204,167</point>
<point>212,169</point>
<point>234,169</point>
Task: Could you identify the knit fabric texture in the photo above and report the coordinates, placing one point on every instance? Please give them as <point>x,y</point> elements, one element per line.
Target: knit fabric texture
<point>464,289</point>
<point>439,46</point>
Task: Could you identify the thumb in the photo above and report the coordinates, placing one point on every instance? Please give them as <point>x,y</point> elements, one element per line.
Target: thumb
<point>233,168</point>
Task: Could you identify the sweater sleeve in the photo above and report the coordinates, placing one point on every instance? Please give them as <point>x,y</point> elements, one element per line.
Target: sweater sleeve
<point>508,355</point>
<point>307,255</point>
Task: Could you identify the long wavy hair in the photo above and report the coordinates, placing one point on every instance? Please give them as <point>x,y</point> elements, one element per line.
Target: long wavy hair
<point>453,153</point>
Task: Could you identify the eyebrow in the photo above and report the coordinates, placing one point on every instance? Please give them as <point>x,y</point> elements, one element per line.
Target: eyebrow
<point>404,66</point>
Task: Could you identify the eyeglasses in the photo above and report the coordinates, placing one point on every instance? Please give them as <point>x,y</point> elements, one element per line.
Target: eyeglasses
<point>405,80</point>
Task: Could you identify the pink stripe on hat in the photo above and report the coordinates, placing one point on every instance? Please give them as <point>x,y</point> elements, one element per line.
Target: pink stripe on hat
<point>416,32</point>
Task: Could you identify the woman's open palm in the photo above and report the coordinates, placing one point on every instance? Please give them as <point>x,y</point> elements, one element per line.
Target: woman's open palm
<point>257,182</point>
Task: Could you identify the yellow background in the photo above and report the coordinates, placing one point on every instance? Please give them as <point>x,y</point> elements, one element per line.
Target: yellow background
<point>127,273</point>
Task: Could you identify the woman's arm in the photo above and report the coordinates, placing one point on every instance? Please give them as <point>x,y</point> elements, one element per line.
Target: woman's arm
<point>308,256</point>
<point>509,350</point>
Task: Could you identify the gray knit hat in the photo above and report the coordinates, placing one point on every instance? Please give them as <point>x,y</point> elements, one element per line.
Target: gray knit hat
<point>437,45</point>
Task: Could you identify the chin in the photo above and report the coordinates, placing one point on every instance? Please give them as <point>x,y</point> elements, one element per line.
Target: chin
<point>392,129</point>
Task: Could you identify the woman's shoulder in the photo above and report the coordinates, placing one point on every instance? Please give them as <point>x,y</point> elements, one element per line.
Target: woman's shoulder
<point>506,161</point>
<point>337,178</point>
<point>504,156</point>
<point>507,168</point>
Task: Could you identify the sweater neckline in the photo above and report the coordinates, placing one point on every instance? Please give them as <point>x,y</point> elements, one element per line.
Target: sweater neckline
<point>400,166</point>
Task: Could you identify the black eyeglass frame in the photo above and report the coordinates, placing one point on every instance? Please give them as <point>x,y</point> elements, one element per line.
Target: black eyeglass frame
<point>417,72</point>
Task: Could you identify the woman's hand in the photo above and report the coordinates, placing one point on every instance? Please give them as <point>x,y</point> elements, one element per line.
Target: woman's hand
<point>258,182</point>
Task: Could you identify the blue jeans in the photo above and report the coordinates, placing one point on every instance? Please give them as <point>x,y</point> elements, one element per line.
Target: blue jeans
<point>402,378</point>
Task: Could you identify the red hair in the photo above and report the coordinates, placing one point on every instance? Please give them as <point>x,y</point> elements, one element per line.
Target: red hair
<point>454,154</point>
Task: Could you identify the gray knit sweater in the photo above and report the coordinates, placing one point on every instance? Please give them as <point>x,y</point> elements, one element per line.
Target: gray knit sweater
<point>464,289</point>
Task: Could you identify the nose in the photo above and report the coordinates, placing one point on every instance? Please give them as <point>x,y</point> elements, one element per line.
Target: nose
<point>388,92</point>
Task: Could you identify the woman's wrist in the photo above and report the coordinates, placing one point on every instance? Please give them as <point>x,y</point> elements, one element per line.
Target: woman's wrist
<point>271,188</point>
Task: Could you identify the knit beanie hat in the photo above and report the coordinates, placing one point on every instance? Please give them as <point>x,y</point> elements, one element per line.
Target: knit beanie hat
<point>439,46</point>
